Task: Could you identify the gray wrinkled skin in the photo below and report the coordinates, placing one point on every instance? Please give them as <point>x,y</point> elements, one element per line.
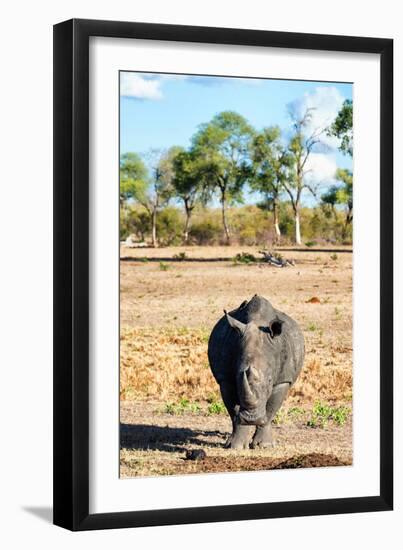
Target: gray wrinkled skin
<point>256,353</point>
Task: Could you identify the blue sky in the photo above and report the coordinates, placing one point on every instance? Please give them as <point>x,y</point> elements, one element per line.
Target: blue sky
<point>158,111</point>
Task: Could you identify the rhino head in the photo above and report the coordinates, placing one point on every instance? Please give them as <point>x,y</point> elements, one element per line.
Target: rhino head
<point>258,354</point>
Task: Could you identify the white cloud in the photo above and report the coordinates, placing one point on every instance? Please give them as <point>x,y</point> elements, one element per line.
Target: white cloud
<point>324,103</point>
<point>320,170</point>
<point>138,87</point>
<point>149,85</point>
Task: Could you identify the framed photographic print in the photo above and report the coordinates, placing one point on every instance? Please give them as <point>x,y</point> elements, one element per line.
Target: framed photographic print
<point>223,323</point>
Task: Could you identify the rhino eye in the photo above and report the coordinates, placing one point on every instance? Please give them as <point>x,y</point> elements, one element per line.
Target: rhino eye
<point>266,330</point>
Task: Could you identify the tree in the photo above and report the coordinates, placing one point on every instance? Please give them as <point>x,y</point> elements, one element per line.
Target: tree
<point>302,143</point>
<point>133,174</point>
<point>223,148</point>
<point>152,191</point>
<point>342,195</point>
<point>271,162</point>
<point>342,127</point>
<point>160,191</point>
<point>187,183</point>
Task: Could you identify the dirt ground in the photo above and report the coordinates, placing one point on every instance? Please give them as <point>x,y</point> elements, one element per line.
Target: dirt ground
<point>171,299</point>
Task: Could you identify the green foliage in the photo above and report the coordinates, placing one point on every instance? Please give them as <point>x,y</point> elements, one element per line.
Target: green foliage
<point>133,177</point>
<point>216,407</point>
<point>341,195</point>
<point>309,244</point>
<point>206,228</point>
<point>134,220</point>
<point>271,167</point>
<point>223,149</point>
<point>249,224</point>
<point>169,226</point>
<point>163,266</point>
<point>181,407</point>
<point>342,127</point>
<point>322,413</point>
<point>244,258</point>
<point>188,174</point>
<point>225,154</point>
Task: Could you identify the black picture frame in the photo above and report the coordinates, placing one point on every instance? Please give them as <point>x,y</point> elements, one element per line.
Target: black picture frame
<point>71,274</point>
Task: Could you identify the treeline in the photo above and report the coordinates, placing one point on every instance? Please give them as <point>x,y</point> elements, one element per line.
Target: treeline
<point>250,225</point>
<point>166,196</point>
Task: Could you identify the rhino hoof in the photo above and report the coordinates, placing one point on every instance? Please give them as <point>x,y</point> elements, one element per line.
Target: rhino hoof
<point>239,445</point>
<point>263,444</point>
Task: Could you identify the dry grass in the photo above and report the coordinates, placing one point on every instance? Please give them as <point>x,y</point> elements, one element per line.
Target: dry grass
<point>172,364</point>
<point>166,317</point>
<point>165,365</point>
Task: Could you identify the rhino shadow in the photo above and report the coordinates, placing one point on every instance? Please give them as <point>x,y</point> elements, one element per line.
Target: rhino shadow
<point>164,438</point>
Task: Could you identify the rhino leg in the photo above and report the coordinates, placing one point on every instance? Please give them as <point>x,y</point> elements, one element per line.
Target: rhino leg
<point>241,435</point>
<point>263,437</point>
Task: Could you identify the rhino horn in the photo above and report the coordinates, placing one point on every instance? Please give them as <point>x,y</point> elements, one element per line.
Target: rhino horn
<point>247,394</point>
<point>234,323</point>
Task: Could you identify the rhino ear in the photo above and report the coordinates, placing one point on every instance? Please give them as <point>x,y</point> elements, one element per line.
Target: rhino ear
<point>235,324</point>
<point>276,327</point>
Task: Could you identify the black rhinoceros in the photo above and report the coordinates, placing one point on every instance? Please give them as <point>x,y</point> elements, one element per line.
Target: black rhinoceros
<point>256,353</point>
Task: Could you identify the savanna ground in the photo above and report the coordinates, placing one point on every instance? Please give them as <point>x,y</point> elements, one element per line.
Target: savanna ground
<point>170,402</point>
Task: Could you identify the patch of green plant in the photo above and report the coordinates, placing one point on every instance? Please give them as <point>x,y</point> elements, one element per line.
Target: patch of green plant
<point>164,266</point>
<point>181,257</point>
<point>334,257</point>
<point>322,413</point>
<point>244,258</point>
<point>217,407</point>
<point>181,407</point>
<point>144,260</point>
<point>312,327</point>
<point>309,244</point>
<point>215,404</point>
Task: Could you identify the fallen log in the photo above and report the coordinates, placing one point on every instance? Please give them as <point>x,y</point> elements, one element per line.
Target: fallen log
<point>276,261</point>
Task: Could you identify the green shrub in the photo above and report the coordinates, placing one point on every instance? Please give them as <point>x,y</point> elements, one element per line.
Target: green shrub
<point>170,226</point>
<point>244,258</point>
<point>322,413</point>
<point>217,407</point>
<point>181,407</point>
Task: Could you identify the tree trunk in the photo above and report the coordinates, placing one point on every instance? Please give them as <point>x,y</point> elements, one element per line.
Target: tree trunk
<point>297,226</point>
<point>276,221</point>
<point>154,227</point>
<point>224,218</point>
<point>187,224</point>
<point>347,222</point>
